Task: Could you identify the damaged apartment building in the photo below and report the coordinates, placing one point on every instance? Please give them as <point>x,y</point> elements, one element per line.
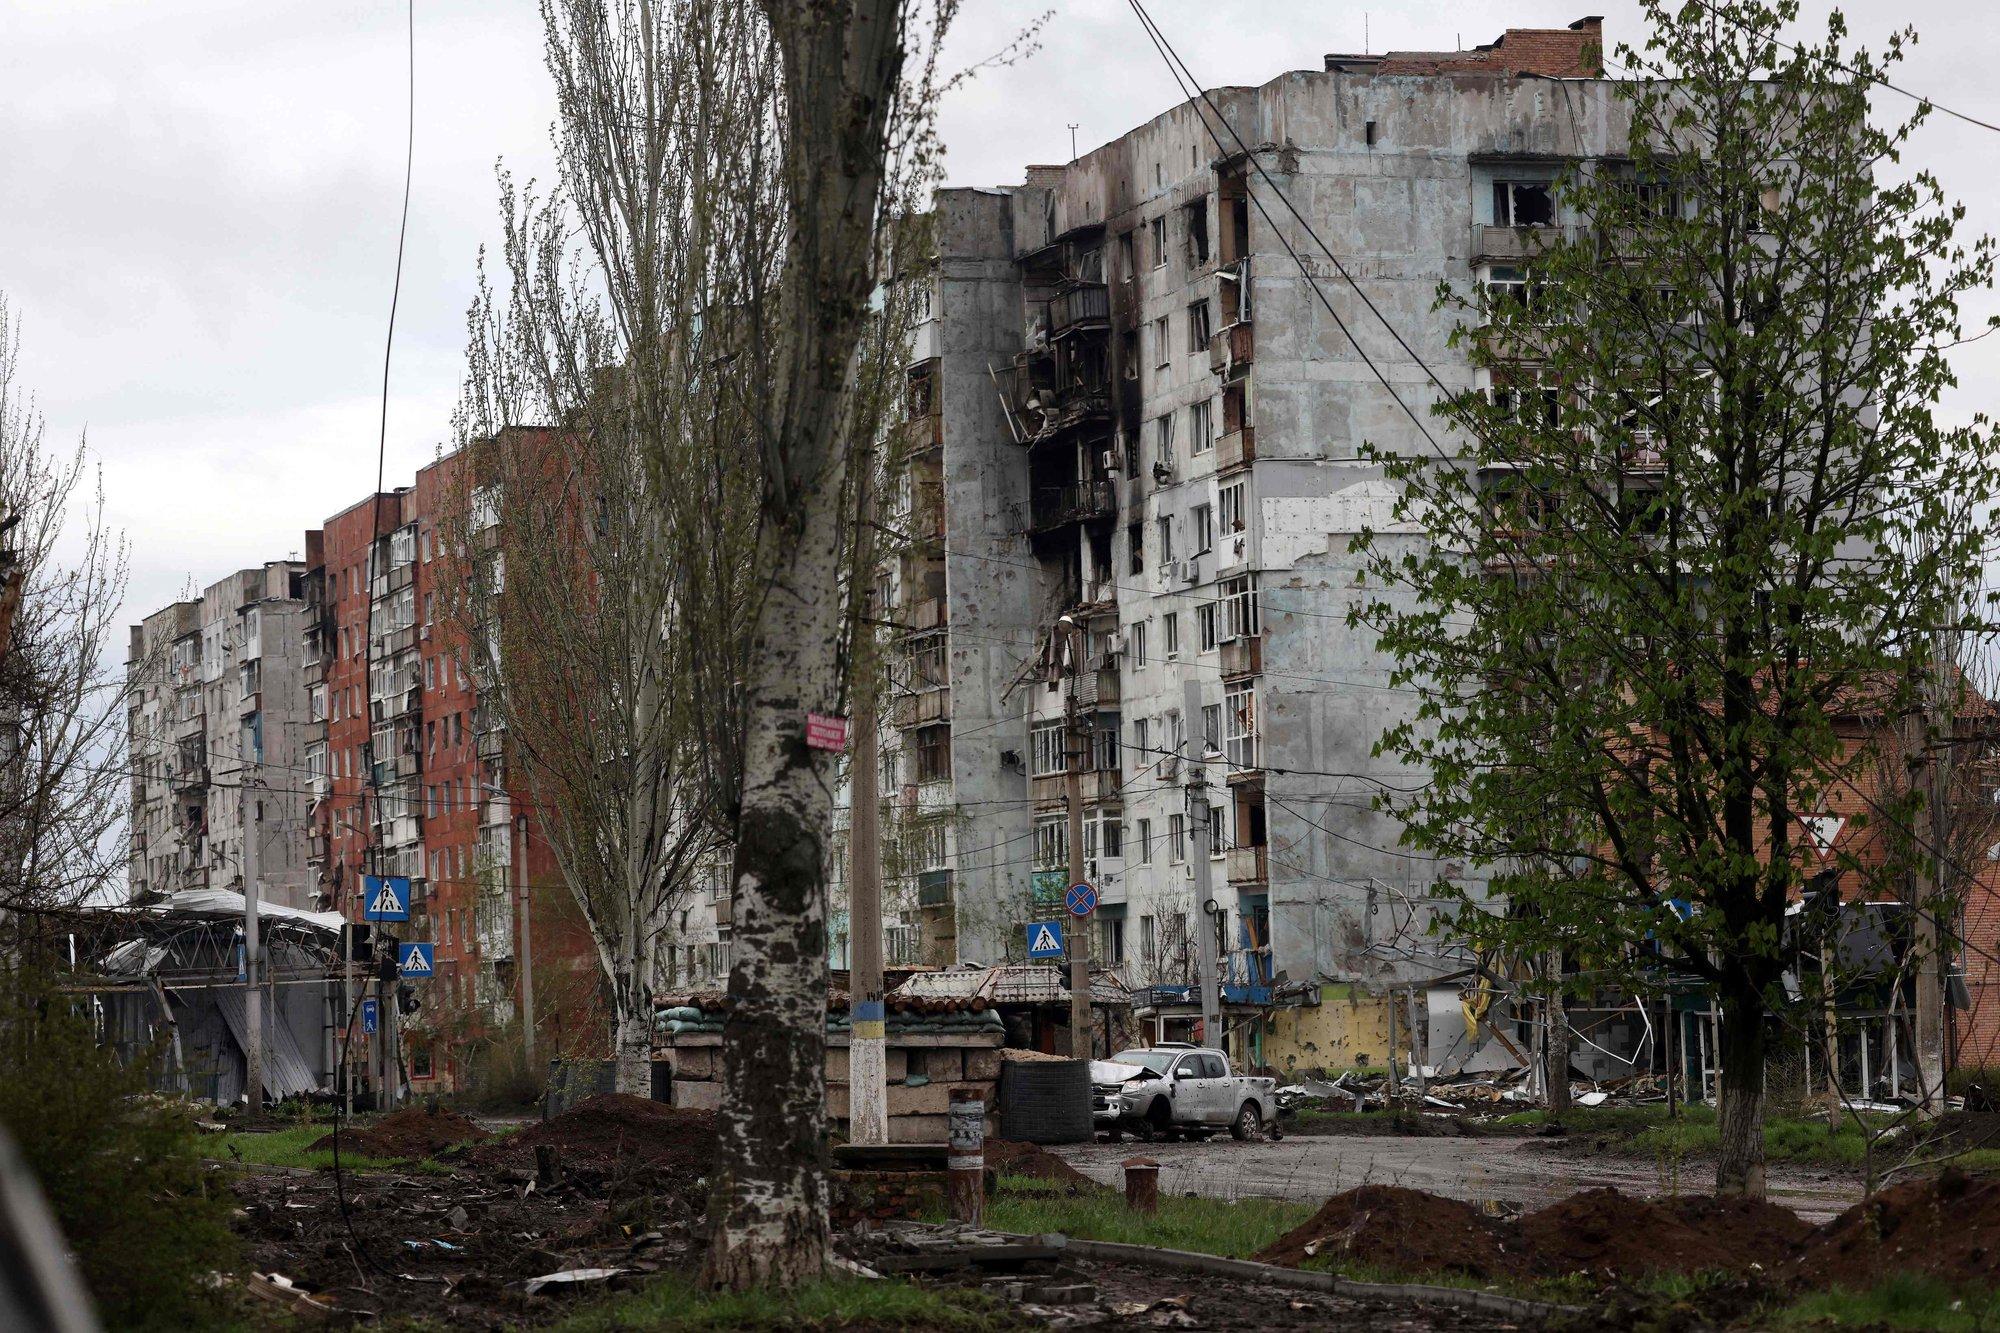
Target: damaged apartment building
<point>218,731</point>
<point>1131,412</point>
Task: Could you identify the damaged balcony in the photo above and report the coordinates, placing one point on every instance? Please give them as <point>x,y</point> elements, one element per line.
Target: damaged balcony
<point>1056,507</point>
<point>1231,351</point>
<point>1236,449</point>
<point>1083,307</point>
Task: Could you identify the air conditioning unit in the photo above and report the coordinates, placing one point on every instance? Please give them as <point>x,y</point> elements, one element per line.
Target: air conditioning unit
<point>1108,460</point>
<point>1163,473</point>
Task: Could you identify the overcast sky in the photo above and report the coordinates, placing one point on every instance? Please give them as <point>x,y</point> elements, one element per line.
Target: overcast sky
<point>198,209</point>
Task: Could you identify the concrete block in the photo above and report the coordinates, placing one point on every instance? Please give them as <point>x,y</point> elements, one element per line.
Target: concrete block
<point>698,1096</point>
<point>695,1062</point>
<point>836,1064</point>
<point>982,1065</point>
<point>929,1128</point>
<point>897,1062</point>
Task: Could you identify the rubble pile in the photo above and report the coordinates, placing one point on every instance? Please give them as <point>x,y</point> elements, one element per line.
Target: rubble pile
<point>1500,1093</point>
<point>413,1133</point>
<point>613,1140</point>
<point>1009,1157</point>
<point>1601,1231</point>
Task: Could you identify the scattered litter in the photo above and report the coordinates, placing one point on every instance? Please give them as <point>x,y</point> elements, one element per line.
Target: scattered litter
<point>571,1276</point>
<point>281,1290</point>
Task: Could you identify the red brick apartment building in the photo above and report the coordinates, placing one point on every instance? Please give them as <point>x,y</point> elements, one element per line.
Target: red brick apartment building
<point>444,806</point>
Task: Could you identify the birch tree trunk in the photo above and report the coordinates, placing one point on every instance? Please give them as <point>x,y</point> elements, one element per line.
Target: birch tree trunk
<point>842,61</point>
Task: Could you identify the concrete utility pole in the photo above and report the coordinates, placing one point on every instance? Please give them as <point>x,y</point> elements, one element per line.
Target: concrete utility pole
<point>868,1046</point>
<point>1928,1021</point>
<point>518,833</point>
<point>1079,931</point>
<point>1204,871</point>
<point>253,996</point>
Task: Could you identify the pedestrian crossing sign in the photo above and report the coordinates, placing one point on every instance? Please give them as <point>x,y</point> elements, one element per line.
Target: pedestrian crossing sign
<point>385,897</point>
<point>1045,939</point>
<point>415,962</point>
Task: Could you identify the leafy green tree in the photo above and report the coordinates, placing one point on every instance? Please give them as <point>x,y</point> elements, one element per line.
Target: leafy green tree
<point>1702,513</point>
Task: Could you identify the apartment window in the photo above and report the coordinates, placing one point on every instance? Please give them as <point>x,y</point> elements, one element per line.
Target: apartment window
<point>1144,832</point>
<point>1523,203</point>
<point>1128,347</point>
<point>1196,216</point>
<point>1202,519</point>
<point>1163,443</point>
<point>1211,728</point>
<point>933,753</point>
<point>1176,838</point>
<point>1159,226</point>
<point>1218,832</point>
<point>1509,290</point>
<point>1240,619</point>
<point>1052,842</point>
<point>1135,640</point>
<point>1198,329</point>
<point>1201,426</point>
<point>1046,742</point>
<point>1239,717</point>
<point>1205,625</point>
<point>1111,941</point>
<point>424,544</point>
<point>1104,747</point>
<point>1112,841</point>
<point>1231,500</point>
<point>1149,940</point>
<point>1163,342</point>
<point>1128,255</point>
<point>927,664</point>
<point>1163,534</point>
<point>1170,634</point>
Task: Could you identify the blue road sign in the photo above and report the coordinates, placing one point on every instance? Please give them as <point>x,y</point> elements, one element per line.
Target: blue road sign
<point>1082,900</point>
<point>1045,939</point>
<point>370,1017</point>
<point>385,897</point>
<point>415,962</point>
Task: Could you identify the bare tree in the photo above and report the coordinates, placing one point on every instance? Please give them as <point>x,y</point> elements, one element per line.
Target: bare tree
<point>62,585</point>
<point>610,546</point>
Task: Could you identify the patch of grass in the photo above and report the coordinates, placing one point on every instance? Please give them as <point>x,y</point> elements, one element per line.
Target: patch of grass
<point>1233,1228</point>
<point>1648,1131</point>
<point>675,1305</point>
<point>1904,1301</point>
<point>287,1147</point>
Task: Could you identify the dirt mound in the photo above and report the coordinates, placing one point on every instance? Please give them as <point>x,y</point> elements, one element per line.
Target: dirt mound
<point>1755,1231</point>
<point>1009,1158</point>
<point>1947,1227</point>
<point>1401,1229</point>
<point>1602,1230</point>
<point>615,1140</point>
<point>413,1132</point>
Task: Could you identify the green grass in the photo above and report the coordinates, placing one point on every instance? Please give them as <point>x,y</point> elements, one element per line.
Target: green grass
<point>1236,1229</point>
<point>675,1305</point>
<point>1901,1302</point>
<point>287,1147</point>
<point>1648,1131</point>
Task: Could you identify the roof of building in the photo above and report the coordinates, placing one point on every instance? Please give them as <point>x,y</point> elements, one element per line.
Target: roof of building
<point>1014,983</point>
<point>1575,52</point>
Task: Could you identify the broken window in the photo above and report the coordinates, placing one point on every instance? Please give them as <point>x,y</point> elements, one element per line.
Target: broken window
<point>933,753</point>
<point>1163,449</point>
<point>1128,255</point>
<point>1164,526</point>
<point>1052,842</point>
<point>1201,425</point>
<point>1196,214</point>
<point>1205,622</point>
<point>1046,743</point>
<point>1239,719</point>
<point>1510,292</point>
<point>1136,638</point>
<point>1202,518</point>
<point>1159,242</point>
<point>1198,333</point>
<point>1523,203</point>
<point>1162,342</point>
<point>1135,547</point>
<point>1231,498</point>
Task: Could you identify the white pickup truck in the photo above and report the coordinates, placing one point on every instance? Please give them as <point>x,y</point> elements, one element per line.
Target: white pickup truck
<point>1170,1089</point>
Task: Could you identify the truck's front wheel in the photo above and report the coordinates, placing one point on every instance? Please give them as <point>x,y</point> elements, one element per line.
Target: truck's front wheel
<point>1249,1123</point>
<point>1159,1120</point>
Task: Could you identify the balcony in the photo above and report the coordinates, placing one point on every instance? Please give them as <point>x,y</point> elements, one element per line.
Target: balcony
<point>1098,689</point>
<point>1242,657</point>
<point>923,708</point>
<point>1236,449</point>
<point>1231,351</point>
<point>1079,502</point>
<point>1515,245</point>
<point>1080,308</point>
<point>934,888</point>
<point>923,434</point>
<point>1247,865</point>
<point>492,743</point>
<point>924,613</point>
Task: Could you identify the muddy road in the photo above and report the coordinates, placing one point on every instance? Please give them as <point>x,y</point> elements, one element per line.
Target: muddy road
<point>1524,1171</point>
